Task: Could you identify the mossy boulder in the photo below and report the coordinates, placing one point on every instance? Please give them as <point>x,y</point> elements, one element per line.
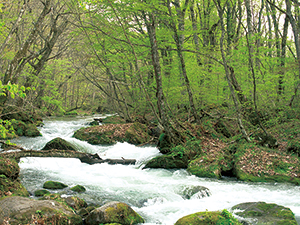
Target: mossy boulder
<point>204,218</point>
<point>265,213</point>
<point>54,185</point>
<point>84,212</point>
<point>137,133</point>
<point>259,164</point>
<point>134,133</point>
<point>32,131</point>
<point>60,144</point>
<point>25,129</point>
<point>9,181</point>
<point>78,188</point>
<point>95,136</point>
<point>205,166</point>
<point>9,187</point>
<point>71,202</point>
<point>9,168</point>
<point>114,212</point>
<point>166,162</point>
<point>40,193</point>
<point>20,210</point>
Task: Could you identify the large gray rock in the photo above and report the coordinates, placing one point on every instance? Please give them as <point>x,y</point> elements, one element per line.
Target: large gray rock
<point>21,210</point>
<point>264,214</point>
<point>114,212</point>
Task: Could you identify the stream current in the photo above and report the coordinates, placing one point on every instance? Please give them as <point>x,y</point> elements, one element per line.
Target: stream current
<point>156,194</point>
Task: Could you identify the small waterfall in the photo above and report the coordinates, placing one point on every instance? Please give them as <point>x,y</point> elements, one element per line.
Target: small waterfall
<point>158,195</point>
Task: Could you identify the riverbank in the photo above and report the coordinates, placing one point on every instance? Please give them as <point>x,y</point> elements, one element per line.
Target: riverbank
<point>68,170</point>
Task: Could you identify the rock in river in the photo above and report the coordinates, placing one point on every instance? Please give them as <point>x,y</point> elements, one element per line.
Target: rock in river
<point>114,212</point>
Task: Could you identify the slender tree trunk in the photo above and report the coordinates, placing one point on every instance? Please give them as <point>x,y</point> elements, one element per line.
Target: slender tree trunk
<point>195,33</point>
<point>236,104</point>
<point>172,134</point>
<point>183,67</point>
<point>297,44</point>
<point>283,55</point>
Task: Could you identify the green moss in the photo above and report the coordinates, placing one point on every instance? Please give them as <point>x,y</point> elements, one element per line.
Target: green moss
<point>166,162</point>
<point>123,215</point>
<point>60,144</point>
<point>54,185</point>
<point>164,144</point>
<point>32,131</point>
<point>94,138</point>
<point>19,127</point>
<point>70,203</point>
<point>9,168</point>
<point>113,120</point>
<point>204,218</point>
<point>187,151</point>
<point>137,134</point>
<point>12,187</point>
<point>266,213</point>
<point>78,188</point>
<point>205,167</point>
<point>39,193</point>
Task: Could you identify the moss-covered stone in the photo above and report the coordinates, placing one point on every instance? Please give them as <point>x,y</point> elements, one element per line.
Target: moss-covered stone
<point>32,131</point>
<point>204,218</point>
<point>54,185</point>
<point>9,181</point>
<point>60,144</point>
<point>265,213</point>
<point>134,133</point>
<point>40,193</point>
<point>20,210</point>
<point>9,168</point>
<point>71,202</point>
<point>205,166</point>
<point>9,187</point>
<point>114,212</point>
<point>94,137</point>
<point>166,162</point>
<point>137,133</point>
<point>78,188</point>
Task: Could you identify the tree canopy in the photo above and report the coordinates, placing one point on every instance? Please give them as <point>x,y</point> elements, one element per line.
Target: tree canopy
<point>154,58</point>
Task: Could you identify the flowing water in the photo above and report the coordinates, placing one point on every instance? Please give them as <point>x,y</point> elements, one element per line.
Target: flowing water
<point>156,194</point>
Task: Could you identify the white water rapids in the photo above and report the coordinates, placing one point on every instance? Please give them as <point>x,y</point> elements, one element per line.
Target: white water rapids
<point>156,194</point>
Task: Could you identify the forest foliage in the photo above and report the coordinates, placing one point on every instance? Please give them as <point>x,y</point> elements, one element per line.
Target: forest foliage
<point>162,60</point>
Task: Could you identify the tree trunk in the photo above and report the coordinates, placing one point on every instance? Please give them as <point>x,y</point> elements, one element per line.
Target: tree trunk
<point>236,104</point>
<point>183,67</point>
<point>195,33</point>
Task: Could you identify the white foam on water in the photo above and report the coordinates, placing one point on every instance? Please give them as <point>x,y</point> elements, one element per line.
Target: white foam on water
<point>156,194</point>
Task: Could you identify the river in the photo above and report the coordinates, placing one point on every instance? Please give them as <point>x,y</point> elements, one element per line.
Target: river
<point>156,194</point>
